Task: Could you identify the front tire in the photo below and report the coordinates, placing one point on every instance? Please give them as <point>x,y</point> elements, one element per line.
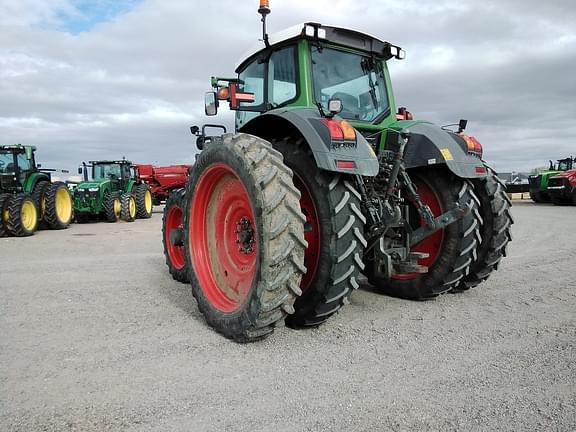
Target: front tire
<point>244,237</point>
<point>143,201</point>
<point>173,219</point>
<point>112,207</point>
<point>4,198</point>
<point>334,232</point>
<point>451,250</point>
<point>127,207</point>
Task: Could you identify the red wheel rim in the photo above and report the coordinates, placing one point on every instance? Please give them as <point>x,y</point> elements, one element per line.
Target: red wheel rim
<point>175,253</point>
<point>430,245</point>
<point>223,238</point>
<point>311,233</point>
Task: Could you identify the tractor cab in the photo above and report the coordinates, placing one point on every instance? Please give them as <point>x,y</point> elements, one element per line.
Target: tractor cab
<point>308,66</point>
<point>118,173</point>
<point>563,164</point>
<point>16,166</point>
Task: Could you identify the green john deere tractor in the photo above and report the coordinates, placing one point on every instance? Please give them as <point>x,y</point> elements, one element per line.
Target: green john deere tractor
<point>539,182</point>
<point>111,192</point>
<point>325,180</point>
<point>28,197</point>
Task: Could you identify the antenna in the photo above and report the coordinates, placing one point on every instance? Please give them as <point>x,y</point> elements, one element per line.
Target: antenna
<point>264,10</point>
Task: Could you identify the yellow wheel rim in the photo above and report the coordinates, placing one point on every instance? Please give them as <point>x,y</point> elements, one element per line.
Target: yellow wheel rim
<point>132,207</point>
<point>29,215</point>
<point>63,205</point>
<point>117,207</point>
<point>148,201</point>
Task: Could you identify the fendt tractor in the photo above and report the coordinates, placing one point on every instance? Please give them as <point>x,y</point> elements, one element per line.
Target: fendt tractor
<point>539,182</point>
<point>28,197</point>
<point>562,186</point>
<point>322,181</point>
<point>111,192</point>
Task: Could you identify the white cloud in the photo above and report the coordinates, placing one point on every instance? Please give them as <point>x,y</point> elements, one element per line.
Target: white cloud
<point>134,84</point>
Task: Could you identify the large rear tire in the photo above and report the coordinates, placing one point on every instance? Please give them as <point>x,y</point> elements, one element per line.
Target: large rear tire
<point>174,251</point>
<point>244,237</point>
<point>334,232</point>
<point>22,218</point>
<point>143,201</point>
<point>495,221</point>
<point>451,250</point>
<point>58,206</point>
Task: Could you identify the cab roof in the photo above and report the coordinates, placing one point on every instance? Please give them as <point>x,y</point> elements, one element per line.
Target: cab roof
<point>336,35</point>
<point>108,162</point>
<point>20,147</point>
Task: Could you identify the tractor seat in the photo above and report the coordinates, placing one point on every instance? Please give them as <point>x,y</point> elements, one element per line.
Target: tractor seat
<point>9,168</point>
<point>350,105</point>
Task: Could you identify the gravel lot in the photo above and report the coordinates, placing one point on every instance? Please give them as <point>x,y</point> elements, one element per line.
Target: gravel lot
<point>95,335</point>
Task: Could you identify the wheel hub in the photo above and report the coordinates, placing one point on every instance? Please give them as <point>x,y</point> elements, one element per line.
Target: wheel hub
<point>244,236</point>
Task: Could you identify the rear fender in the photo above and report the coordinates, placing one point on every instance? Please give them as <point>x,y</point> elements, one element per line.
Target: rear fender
<point>306,122</point>
<point>431,145</point>
<point>33,179</point>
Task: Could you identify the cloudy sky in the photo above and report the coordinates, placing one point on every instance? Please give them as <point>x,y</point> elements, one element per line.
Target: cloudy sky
<point>110,78</point>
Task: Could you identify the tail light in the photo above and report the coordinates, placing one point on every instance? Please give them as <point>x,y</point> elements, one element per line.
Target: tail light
<point>340,130</point>
<point>473,144</point>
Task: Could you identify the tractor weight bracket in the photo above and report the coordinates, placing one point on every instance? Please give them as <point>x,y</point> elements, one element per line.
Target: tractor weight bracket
<point>440,222</point>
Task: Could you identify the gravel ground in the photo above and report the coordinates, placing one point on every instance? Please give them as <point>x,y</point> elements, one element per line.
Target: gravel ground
<point>95,335</point>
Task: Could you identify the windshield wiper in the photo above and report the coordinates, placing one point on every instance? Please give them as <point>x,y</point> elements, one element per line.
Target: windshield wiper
<point>368,67</point>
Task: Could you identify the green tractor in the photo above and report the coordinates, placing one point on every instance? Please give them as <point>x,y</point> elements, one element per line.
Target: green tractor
<point>28,197</point>
<point>111,192</point>
<point>539,182</point>
<point>325,180</point>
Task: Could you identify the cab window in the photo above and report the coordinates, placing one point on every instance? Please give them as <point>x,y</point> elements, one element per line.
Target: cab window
<point>282,77</point>
<point>273,83</point>
<point>24,166</point>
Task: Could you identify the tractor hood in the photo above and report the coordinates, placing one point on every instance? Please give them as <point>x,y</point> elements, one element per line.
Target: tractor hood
<point>546,173</point>
<point>92,184</point>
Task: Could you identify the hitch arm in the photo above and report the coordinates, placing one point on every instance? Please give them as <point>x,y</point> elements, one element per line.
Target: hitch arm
<point>440,222</point>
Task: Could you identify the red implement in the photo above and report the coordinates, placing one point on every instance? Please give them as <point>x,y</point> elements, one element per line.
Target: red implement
<point>163,179</point>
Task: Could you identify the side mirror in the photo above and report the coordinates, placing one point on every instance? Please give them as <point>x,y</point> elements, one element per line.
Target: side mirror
<point>38,165</point>
<point>210,104</point>
<point>194,130</point>
<point>80,170</point>
<point>462,125</point>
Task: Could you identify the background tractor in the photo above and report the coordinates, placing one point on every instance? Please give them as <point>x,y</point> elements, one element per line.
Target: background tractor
<point>111,191</point>
<point>323,180</point>
<point>539,182</point>
<point>28,197</point>
<point>562,187</point>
